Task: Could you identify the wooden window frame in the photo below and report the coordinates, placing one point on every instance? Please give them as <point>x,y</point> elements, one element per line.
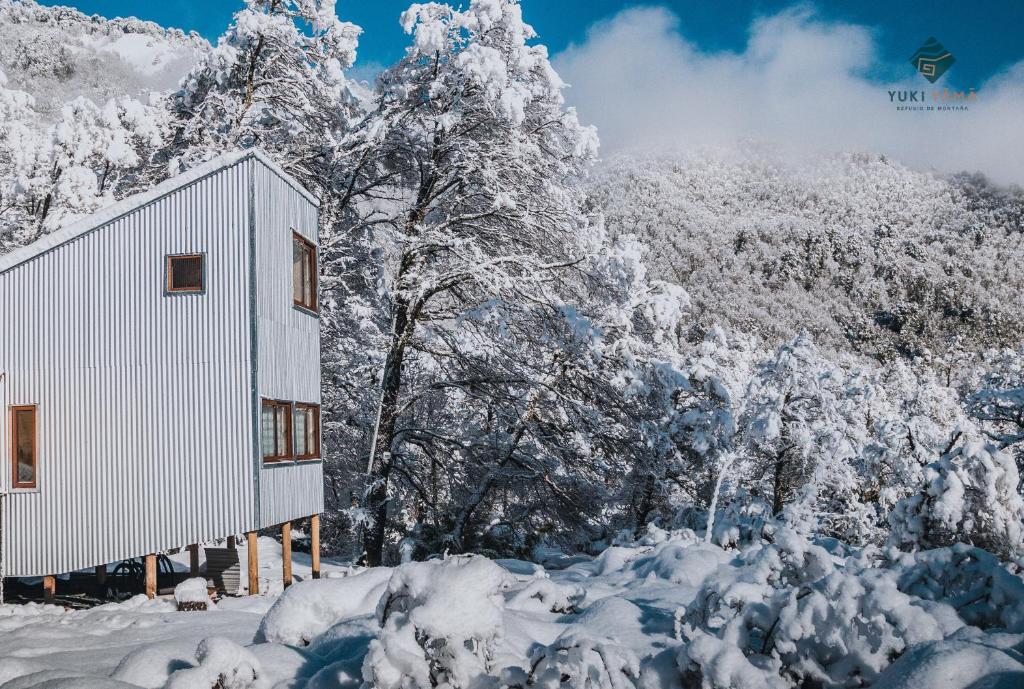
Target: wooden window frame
<point>169,289</point>
<point>15,484</point>
<point>314,276</point>
<point>315,408</point>
<point>289,454</point>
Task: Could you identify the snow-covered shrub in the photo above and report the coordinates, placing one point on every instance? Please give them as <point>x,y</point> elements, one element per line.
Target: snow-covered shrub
<point>969,495</point>
<point>544,595</point>
<point>719,664</point>
<point>743,521</point>
<point>575,662</point>
<point>223,664</point>
<point>309,608</point>
<point>793,610</point>
<point>192,594</point>
<point>969,579</point>
<point>440,622</point>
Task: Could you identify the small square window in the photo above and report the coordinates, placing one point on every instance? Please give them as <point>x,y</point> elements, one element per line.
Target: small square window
<point>185,274</point>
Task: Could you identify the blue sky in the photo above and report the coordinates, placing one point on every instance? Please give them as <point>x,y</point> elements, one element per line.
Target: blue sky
<point>984,36</point>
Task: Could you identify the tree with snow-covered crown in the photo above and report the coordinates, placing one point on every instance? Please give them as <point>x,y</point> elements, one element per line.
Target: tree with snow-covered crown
<point>804,427</point>
<point>969,494</point>
<point>499,347</point>
<point>275,80</point>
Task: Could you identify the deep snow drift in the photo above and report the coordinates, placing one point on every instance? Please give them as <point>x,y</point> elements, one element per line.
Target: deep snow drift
<point>668,611</point>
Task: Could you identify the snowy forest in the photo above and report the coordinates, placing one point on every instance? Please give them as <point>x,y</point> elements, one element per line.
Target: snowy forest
<point>763,414</point>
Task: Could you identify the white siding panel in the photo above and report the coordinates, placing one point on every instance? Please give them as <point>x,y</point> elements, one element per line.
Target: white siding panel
<point>288,366</point>
<point>291,491</point>
<point>145,416</point>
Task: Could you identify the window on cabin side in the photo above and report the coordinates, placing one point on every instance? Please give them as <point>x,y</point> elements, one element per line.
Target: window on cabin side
<point>185,274</point>
<point>307,431</point>
<point>24,446</point>
<point>303,273</point>
<point>276,431</point>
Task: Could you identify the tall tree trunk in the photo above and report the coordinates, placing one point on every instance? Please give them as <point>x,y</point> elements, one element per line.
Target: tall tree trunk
<point>380,467</point>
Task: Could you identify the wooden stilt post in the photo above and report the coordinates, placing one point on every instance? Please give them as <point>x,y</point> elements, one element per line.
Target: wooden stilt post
<point>314,543</point>
<point>193,560</point>
<point>286,554</point>
<point>49,586</point>
<point>150,562</point>
<point>101,580</point>
<point>254,563</point>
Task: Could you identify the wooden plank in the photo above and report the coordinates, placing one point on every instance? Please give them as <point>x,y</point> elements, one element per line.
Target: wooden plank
<point>49,586</point>
<point>314,543</point>
<point>150,562</point>
<point>254,563</point>
<point>286,554</point>
<point>193,560</point>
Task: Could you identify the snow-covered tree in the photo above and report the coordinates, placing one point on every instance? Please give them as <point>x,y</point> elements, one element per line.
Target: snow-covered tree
<point>969,494</point>
<point>804,427</point>
<point>998,402</point>
<point>275,80</point>
<point>479,151</point>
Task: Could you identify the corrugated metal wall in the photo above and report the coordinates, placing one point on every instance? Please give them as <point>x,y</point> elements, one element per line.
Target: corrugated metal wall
<point>145,424</point>
<point>288,365</point>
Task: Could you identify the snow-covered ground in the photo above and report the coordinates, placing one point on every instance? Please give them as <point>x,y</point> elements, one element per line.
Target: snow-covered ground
<point>667,611</point>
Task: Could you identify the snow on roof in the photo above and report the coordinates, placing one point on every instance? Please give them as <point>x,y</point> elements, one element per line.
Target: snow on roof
<point>114,211</point>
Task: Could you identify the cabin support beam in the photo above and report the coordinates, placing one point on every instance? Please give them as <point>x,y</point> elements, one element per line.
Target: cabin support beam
<point>150,566</point>
<point>286,554</point>
<point>193,560</point>
<point>314,543</point>
<point>101,580</point>
<point>253,563</point>
<point>49,586</point>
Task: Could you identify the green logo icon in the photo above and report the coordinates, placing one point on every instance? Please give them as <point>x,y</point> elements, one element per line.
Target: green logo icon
<point>932,60</point>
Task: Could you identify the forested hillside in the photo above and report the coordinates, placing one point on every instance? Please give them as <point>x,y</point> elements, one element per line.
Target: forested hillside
<point>864,253</point>
<point>57,54</point>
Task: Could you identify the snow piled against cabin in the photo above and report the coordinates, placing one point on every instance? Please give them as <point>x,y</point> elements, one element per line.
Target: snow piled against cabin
<point>667,611</point>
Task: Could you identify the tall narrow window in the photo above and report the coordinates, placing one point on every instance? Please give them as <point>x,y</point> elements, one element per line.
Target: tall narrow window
<point>185,274</point>
<point>303,273</point>
<point>307,431</point>
<point>24,446</point>
<point>276,431</point>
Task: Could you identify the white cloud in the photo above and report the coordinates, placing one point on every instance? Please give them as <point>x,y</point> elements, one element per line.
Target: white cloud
<point>800,83</point>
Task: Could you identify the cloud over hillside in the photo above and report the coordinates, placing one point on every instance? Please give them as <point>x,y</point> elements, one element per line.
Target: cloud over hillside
<point>801,82</point>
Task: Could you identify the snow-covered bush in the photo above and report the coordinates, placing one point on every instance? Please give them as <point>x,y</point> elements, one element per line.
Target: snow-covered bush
<point>222,664</point>
<point>575,662</point>
<point>792,611</point>
<point>983,592</point>
<point>440,622</point>
<point>309,608</point>
<point>970,494</point>
<point>548,596</point>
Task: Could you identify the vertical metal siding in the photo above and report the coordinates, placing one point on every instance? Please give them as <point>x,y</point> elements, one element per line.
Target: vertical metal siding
<point>288,362</point>
<point>145,409</point>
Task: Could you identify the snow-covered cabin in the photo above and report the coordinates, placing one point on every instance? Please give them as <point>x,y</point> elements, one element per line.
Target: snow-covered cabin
<point>160,371</point>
